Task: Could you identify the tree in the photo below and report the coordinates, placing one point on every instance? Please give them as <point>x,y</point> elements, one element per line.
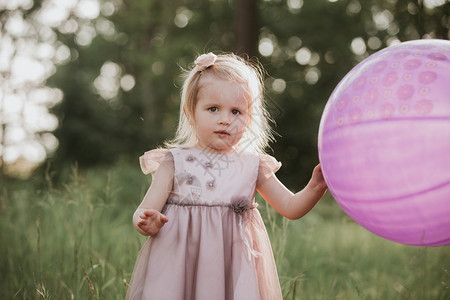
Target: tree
<point>152,40</point>
<point>27,58</point>
<point>120,64</point>
<point>246,18</point>
<point>308,47</point>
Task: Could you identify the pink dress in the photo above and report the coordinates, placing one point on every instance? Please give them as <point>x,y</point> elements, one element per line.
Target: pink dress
<point>215,245</point>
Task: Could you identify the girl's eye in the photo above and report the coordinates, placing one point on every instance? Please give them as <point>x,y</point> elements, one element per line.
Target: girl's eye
<point>213,109</point>
<point>235,112</point>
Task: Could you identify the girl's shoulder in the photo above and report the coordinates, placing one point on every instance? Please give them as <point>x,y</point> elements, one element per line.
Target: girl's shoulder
<point>268,166</point>
<point>152,159</point>
<point>265,161</point>
<point>269,163</point>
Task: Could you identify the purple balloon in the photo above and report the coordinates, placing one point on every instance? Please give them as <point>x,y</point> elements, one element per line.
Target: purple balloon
<point>384,143</point>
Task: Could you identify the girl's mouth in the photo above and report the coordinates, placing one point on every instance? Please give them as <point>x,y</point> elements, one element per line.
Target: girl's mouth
<point>222,133</point>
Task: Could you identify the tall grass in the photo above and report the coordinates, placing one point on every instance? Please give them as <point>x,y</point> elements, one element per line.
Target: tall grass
<point>75,241</point>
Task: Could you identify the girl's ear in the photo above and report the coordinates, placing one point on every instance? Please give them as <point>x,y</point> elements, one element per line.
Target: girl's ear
<point>248,122</point>
<point>188,116</point>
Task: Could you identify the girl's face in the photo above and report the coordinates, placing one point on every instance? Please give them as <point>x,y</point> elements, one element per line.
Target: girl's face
<point>220,115</point>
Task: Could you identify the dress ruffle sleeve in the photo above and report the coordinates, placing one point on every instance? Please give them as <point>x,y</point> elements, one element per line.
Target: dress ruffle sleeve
<point>151,160</point>
<point>268,165</point>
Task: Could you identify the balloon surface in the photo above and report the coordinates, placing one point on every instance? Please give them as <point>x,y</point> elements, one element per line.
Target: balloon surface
<point>384,143</point>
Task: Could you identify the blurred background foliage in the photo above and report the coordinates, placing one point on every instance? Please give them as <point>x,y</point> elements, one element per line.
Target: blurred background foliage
<point>113,68</point>
<point>86,86</point>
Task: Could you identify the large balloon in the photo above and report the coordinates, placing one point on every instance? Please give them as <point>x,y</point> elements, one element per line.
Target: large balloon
<point>384,143</point>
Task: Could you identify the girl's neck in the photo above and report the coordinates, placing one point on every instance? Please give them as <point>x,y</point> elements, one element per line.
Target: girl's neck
<point>213,151</point>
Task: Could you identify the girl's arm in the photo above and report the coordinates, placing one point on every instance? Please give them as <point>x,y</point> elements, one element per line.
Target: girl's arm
<point>289,205</point>
<point>148,218</point>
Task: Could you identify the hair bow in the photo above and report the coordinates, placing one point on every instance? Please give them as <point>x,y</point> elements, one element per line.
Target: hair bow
<point>205,61</point>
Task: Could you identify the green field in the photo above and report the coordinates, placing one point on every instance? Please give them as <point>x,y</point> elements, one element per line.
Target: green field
<point>76,241</point>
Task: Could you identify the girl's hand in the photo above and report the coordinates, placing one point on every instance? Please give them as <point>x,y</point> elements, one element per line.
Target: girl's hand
<point>151,221</point>
<point>317,182</point>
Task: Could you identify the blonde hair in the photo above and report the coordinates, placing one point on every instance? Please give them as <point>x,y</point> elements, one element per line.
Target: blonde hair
<point>232,68</point>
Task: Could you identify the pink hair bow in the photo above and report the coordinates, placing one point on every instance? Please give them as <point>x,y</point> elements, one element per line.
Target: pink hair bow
<point>205,61</point>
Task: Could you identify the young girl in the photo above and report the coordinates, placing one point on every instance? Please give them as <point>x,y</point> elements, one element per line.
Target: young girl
<point>207,239</point>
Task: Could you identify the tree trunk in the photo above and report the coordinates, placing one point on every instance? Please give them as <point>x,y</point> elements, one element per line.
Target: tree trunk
<point>246,27</point>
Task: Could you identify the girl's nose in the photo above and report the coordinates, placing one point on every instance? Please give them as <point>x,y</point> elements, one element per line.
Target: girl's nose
<point>223,122</point>
<point>224,119</point>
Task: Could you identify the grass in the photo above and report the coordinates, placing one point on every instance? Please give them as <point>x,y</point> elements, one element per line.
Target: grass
<point>76,241</point>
